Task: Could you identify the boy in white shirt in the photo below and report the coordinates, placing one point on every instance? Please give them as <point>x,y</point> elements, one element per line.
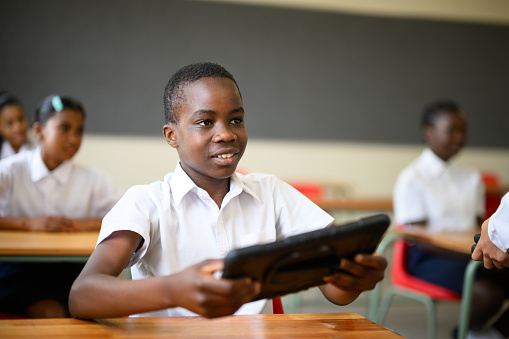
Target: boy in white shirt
<point>173,234</point>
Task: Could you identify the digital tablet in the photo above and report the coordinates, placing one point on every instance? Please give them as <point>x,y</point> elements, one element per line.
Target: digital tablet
<point>301,261</point>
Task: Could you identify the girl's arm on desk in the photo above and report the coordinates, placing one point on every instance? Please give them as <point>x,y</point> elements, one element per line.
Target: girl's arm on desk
<point>99,293</point>
<point>49,224</point>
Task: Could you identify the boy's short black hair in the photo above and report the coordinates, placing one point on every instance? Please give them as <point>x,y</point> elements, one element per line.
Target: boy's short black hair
<point>184,76</point>
<point>437,108</point>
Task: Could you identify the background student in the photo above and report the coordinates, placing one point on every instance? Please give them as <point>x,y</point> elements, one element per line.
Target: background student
<point>441,195</point>
<point>174,233</point>
<point>13,126</point>
<point>43,190</point>
<point>493,246</point>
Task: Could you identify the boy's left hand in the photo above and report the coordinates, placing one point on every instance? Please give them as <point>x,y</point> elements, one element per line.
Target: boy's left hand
<point>488,252</point>
<point>354,277</point>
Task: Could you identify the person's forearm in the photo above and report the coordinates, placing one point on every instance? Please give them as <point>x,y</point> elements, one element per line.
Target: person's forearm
<point>338,296</point>
<point>12,223</point>
<point>103,296</point>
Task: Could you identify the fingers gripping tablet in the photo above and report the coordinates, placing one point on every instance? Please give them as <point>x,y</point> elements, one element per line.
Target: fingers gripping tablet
<point>301,261</point>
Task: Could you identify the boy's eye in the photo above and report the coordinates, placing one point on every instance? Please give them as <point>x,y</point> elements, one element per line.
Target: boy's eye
<point>237,121</point>
<point>204,122</point>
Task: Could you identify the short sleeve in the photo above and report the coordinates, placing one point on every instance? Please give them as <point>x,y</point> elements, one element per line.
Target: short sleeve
<point>498,226</point>
<point>408,199</point>
<point>296,213</point>
<point>134,212</point>
<point>5,183</point>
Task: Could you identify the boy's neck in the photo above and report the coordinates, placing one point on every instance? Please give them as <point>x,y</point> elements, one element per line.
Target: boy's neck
<point>217,190</point>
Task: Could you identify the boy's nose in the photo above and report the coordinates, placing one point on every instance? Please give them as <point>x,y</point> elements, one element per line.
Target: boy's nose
<point>225,134</point>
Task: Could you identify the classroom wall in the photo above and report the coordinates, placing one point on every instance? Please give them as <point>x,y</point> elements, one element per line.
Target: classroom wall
<point>109,54</point>
<point>367,170</point>
<point>304,74</point>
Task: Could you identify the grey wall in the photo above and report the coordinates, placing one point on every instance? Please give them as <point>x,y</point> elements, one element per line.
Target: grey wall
<point>303,74</point>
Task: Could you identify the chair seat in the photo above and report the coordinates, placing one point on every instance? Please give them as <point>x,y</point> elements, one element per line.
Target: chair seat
<point>401,278</point>
<point>406,285</point>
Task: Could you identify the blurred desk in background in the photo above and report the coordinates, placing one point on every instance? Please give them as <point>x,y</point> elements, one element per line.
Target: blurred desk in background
<point>354,204</point>
<point>24,246</point>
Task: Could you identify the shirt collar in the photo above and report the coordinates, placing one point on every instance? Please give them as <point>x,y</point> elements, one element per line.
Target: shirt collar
<point>39,170</point>
<point>181,184</point>
<point>433,164</point>
<point>7,149</point>
<point>237,185</point>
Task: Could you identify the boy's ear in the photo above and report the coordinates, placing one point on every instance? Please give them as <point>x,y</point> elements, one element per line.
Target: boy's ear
<point>427,132</point>
<point>170,135</point>
<point>37,129</point>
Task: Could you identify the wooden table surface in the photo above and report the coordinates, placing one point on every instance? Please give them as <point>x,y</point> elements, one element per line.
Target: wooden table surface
<point>455,241</point>
<point>318,325</point>
<point>47,243</point>
<point>354,204</point>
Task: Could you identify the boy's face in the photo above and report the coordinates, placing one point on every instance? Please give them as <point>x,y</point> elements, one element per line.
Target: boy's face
<point>447,136</point>
<point>209,135</point>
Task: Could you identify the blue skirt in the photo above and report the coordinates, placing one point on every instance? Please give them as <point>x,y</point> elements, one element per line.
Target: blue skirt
<point>23,284</point>
<point>438,269</point>
<point>448,271</point>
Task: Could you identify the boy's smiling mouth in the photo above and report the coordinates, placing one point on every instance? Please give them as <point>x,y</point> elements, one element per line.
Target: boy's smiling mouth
<point>224,156</point>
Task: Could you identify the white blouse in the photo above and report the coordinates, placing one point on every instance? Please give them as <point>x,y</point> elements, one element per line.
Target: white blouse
<point>449,196</point>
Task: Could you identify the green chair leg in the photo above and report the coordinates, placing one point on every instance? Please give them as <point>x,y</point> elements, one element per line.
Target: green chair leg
<point>374,297</point>
<point>429,303</point>
<point>466,299</point>
<point>432,317</point>
<point>385,304</point>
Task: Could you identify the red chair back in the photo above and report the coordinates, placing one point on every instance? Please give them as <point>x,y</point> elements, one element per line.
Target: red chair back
<point>493,197</point>
<point>277,306</point>
<point>311,190</point>
<point>401,278</point>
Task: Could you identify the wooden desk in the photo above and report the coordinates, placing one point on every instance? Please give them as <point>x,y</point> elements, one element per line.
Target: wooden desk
<point>460,242</point>
<point>330,325</point>
<point>46,246</point>
<point>354,204</point>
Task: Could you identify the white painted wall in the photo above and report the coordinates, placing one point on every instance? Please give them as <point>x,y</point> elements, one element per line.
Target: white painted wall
<point>482,11</point>
<point>370,169</point>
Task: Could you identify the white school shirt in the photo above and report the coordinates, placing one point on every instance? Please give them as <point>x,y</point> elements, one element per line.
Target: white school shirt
<point>498,226</point>
<point>449,196</point>
<point>29,189</point>
<point>181,225</point>
<point>7,149</point>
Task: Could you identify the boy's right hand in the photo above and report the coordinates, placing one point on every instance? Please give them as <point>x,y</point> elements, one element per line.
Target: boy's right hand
<point>196,289</point>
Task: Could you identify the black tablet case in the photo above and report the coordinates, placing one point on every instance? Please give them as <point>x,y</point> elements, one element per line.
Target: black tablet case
<point>301,261</point>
